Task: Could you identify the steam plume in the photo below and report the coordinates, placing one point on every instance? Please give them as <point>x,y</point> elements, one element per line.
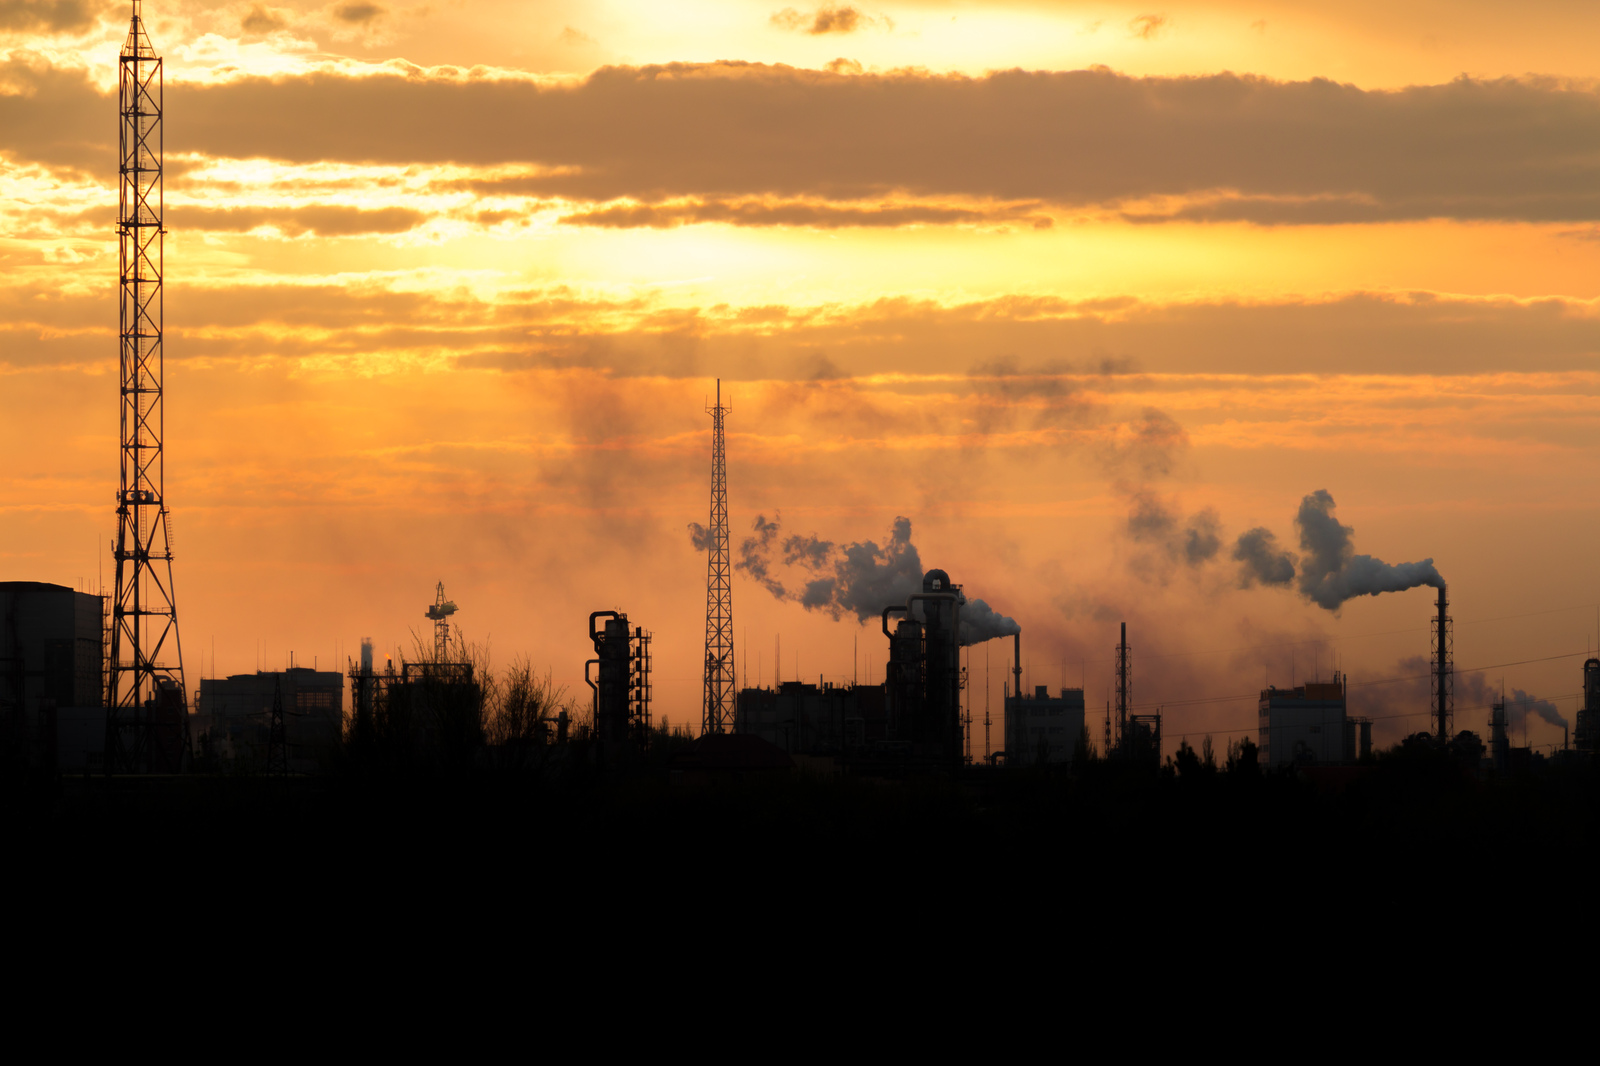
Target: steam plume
<point>859,578</point>
<point>1332,573</point>
<point>980,622</point>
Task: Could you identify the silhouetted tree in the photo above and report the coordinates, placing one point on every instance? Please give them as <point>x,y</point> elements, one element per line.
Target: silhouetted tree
<point>1243,758</point>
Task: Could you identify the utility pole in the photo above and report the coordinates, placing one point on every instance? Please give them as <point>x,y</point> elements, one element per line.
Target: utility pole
<point>147,719</point>
<point>717,716</point>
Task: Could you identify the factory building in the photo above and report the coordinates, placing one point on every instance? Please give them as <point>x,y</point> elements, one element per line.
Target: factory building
<point>52,675</point>
<point>1307,724</point>
<point>233,716</point>
<point>1586,737</point>
<point>1042,728</point>
<point>823,719</point>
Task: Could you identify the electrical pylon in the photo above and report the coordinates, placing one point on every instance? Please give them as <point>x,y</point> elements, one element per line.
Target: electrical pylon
<point>718,716</point>
<point>147,727</point>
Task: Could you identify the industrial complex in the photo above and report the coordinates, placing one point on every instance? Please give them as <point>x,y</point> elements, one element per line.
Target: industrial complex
<point>93,683</point>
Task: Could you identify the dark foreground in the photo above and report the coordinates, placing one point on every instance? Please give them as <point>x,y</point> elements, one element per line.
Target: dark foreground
<point>1105,832</point>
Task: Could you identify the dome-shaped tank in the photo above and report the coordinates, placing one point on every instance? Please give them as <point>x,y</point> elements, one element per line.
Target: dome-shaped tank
<point>936,581</point>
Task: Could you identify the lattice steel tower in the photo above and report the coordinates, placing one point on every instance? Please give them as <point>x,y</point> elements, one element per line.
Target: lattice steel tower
<point>146,703</point>
<point>1444,688</point>
<point>718,716</point>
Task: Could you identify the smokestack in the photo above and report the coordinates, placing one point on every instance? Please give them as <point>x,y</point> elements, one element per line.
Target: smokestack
<point>1016,665</point>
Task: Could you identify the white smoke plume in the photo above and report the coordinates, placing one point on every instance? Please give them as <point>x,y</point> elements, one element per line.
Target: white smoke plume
<point>1331,572</point>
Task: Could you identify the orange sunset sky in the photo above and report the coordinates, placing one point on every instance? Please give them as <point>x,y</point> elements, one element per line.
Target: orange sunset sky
<point>449,284</point>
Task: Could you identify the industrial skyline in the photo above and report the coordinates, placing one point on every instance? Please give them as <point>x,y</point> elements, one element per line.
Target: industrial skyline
<point>1123,383</point>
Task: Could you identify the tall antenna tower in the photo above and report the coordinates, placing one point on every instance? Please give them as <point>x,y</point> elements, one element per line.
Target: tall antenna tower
<point>146,702</point>
<point>719,695</point>
<point>1444,689</point>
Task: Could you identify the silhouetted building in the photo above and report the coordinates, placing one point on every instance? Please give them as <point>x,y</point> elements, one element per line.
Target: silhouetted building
<point>233,716</point>
<point>806,719</point>
<point>1305,724</point>
<point>1042,728</point>
<point>1586,737</point>
<point>52,675</point>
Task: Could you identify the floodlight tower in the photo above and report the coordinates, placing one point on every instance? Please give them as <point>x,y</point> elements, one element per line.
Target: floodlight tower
<point>439,611</point>
<point>718,715</point>
<point>146,702</point>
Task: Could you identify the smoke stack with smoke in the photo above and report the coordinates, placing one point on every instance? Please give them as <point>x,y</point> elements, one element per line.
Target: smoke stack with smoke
<point>1332,573</point>
<point>980,622</point>
<point>1520,705</point>
<point>860,578</point>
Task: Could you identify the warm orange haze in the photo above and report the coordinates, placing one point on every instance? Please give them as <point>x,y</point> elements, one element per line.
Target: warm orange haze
<point>1096,296</point>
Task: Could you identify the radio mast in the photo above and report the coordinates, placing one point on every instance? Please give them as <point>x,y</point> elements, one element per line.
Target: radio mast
<point>718,716</point>
<point>146,702</point>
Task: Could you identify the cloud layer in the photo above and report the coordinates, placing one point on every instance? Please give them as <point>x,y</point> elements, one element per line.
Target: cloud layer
<point>1222,147</point>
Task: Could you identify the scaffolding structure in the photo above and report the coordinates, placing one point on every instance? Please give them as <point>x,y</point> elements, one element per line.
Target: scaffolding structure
<point>719,703</point>
<point>146,701</point>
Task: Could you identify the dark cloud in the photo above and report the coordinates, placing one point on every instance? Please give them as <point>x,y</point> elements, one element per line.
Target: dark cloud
<point>262,20</point>
<point>326,220</point>
<point>1331,572</point>
<point>1223,146</point>
<point>1286,151</point>
<point>699,537</point>
<point>52,16</point>
<point>817,215</point>
<point>358,14</point>
<point>829,18</point>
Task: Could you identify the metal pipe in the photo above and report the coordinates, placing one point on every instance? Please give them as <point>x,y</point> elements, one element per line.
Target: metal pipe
<point>594,634</point>
<point>1016,665</point>
<point>886,612</point>
<point>593,687</point>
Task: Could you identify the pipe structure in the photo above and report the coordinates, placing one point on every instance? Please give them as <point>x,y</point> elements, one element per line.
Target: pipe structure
<point>594,634</point>
<point>1016,664</point>
<point>886,613</point>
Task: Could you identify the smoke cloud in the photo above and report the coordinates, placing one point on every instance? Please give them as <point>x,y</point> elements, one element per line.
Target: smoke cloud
<point>700,537</point>
<point>980,622</point>
<point>1261,560</point>
<point>1521,704</point>
<point>1332,573</point>
<point>755,553</point>
<point>860,578</point>
<point>1195,540</point>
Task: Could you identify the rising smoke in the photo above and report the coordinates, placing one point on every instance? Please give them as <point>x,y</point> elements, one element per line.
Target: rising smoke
<point>1261,560</point>
<point>860,578</point>
<point>1520,705</point>
<point>1332,573</point>
<point>1194,541</point>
